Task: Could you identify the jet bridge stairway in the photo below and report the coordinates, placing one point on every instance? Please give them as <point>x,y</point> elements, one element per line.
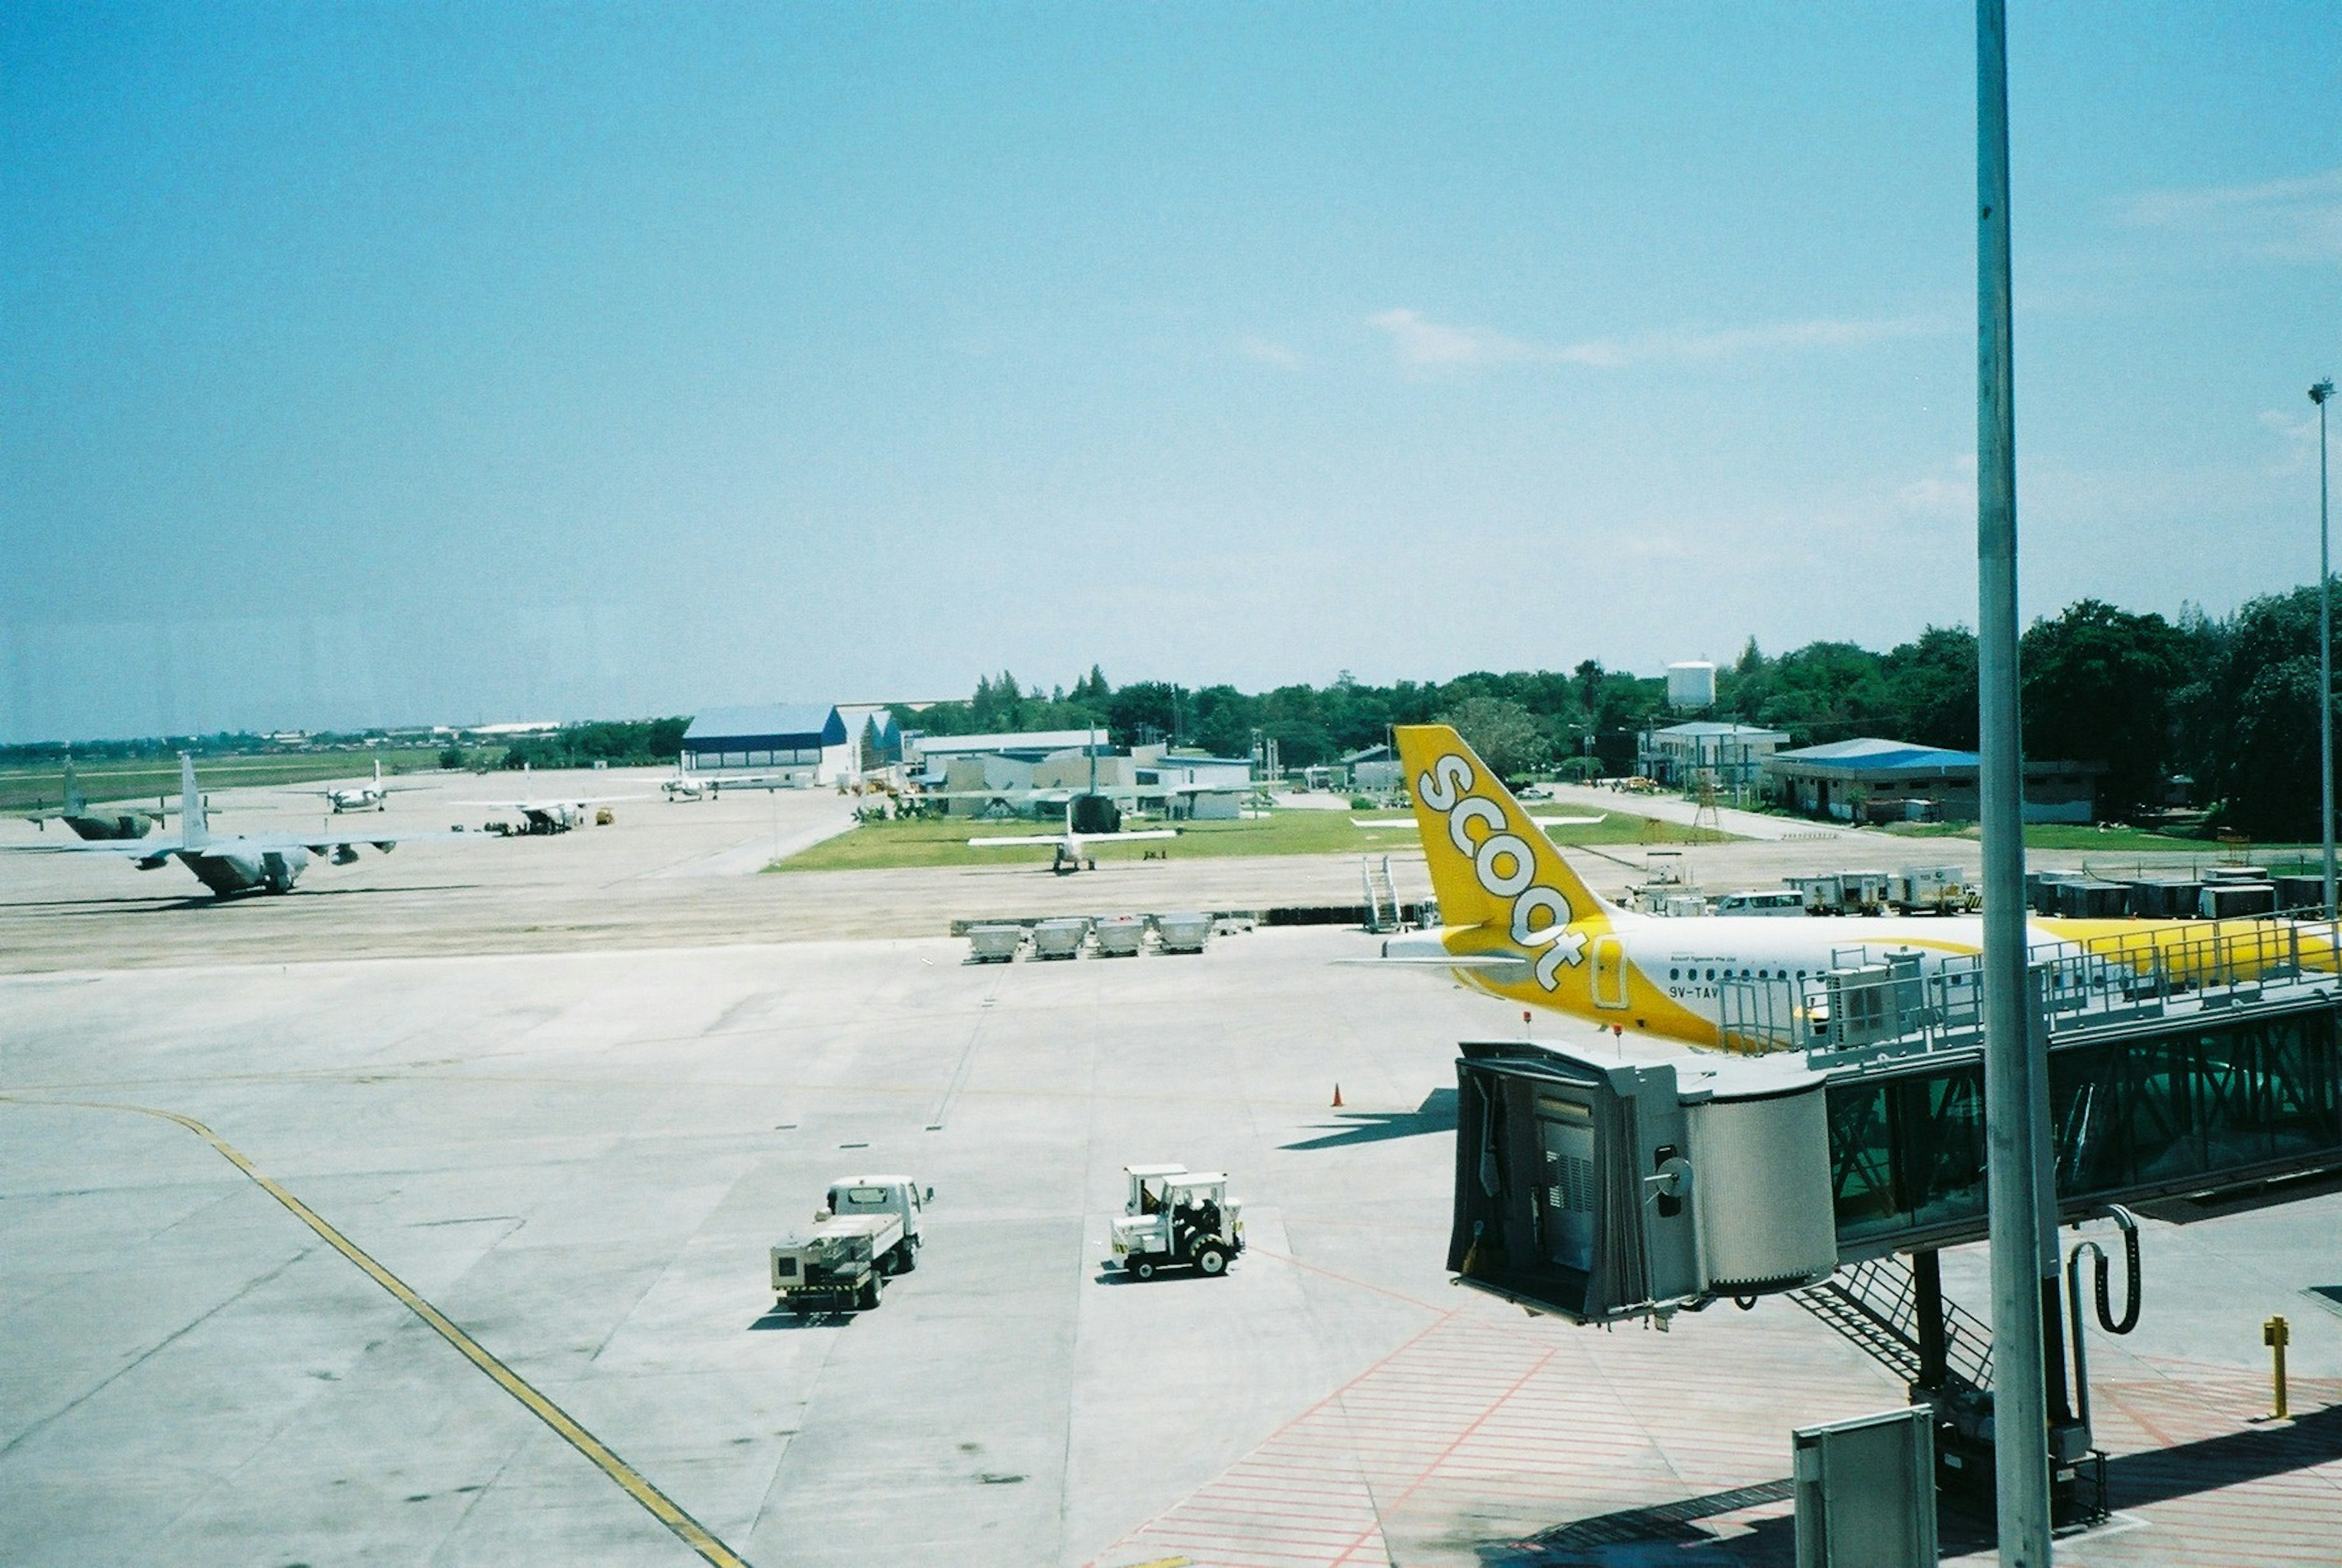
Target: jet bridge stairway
<point>1896,1313</point>
<point>1881,1308</point>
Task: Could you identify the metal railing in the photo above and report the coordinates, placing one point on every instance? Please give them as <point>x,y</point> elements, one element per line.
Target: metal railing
<point>1874,1305</point>
<point>1886,1000</point>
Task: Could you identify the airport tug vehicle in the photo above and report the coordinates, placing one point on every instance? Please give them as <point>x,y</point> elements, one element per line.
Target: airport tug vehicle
<point>1177,1218</point>
<point>868,1228</point>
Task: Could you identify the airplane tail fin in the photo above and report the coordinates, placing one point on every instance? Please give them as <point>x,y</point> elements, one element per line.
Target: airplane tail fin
<point>1490,864</point>
<point>194,829</point>
<point>75,805</point>
<point>377,771</point>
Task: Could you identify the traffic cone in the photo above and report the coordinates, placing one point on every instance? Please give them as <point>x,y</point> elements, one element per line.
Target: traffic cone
<point>1337,1096</point>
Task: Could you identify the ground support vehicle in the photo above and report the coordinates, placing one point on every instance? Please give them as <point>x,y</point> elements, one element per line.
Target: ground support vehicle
<point>1060,938</point>
<point>834,1265</point>
<point>995,943</point>
<point>1182,933</point>
<point>1785,901</point>
<point>1177,1218</point>
<point>867,1228</point>
<point>1930,890</point>
<point>1120,936</point>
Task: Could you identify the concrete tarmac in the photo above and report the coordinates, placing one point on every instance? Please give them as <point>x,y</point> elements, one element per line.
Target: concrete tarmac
<point>567,1105</point>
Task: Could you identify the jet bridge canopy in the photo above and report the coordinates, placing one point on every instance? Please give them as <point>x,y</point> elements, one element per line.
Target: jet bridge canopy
<point>1603,1190</point>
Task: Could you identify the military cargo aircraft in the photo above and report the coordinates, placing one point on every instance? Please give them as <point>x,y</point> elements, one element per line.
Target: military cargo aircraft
<point>77,814</point>
<point>231,864</point>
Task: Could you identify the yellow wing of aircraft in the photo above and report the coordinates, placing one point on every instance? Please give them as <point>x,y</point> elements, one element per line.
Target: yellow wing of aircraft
<point>1520,923</point>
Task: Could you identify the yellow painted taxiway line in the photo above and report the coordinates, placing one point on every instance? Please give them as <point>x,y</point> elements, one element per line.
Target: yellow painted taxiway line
<point>657,1503</point>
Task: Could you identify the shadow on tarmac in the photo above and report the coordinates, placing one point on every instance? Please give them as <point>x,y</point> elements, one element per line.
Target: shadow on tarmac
<point>64,908</point>
<point>2133,1481</point>
<point>1436,1114</point>
<point>782,1318</point>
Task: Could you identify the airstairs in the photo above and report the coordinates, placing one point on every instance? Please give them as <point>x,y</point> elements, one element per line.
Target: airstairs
<point>1382,913</point>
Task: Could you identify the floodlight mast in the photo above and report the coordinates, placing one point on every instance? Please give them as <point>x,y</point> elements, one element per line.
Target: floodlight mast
<point>2319,395</point>
<point>2015,1073</point>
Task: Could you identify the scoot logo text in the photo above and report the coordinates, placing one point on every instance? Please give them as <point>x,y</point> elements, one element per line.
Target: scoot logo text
<point>1504,865</point>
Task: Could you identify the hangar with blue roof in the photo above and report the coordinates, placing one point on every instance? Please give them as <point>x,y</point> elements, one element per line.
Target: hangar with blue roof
<point>788,744</point>
<point>1869,779</point>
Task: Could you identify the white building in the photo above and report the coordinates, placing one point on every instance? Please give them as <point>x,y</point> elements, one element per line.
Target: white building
<point>927,756</point>
<point>1203,788</point>
<point>1728,756</point>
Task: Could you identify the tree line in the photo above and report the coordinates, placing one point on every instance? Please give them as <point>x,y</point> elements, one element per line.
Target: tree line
<point>2229,705</point>
<point>618,743</point>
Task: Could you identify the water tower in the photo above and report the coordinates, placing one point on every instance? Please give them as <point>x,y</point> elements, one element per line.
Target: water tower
<point>1691,684</point>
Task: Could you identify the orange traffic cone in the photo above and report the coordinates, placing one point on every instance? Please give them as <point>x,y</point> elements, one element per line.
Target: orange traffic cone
<point>1337,1096</point>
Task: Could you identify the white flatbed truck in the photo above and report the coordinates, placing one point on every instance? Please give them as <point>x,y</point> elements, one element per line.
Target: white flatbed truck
<point>1177,1218</point>
<point>868,1228</point>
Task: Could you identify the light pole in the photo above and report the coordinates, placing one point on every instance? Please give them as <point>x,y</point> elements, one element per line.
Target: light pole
<point>2016,1067</point>
<point>2319,395</point>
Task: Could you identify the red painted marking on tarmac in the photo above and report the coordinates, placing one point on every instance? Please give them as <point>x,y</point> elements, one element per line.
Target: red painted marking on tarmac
<point>1362,1285</point>
<point>1516,1428</point>
<point>1348,1473</point>
<point>1454,1443</point>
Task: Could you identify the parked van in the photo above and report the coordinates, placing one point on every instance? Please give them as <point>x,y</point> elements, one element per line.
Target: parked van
<point>1779,901</point>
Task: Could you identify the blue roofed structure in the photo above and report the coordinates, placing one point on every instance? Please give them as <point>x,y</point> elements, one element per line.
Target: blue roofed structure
<point>1897,756</point>
<point>1870,779</point>
<point>800,743</point>
<point>791,725</point>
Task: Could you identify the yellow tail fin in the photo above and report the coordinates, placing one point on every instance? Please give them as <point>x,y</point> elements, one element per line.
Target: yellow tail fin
<point>1491,866</point>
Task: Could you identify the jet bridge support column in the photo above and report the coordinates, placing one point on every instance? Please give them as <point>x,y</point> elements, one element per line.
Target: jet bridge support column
<point>1928,1314</point>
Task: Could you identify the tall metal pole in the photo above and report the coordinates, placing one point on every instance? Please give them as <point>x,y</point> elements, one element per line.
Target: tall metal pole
<point>2319,395</point>
<point>2015,1093</point>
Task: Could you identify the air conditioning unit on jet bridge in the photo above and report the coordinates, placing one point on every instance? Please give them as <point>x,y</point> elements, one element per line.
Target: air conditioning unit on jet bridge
<point>1598,1190</point>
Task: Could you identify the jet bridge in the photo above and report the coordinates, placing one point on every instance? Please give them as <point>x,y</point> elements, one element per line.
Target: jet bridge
<point>1598,1189</point>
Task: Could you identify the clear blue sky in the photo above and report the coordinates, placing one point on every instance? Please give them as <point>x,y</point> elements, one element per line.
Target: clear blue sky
<point>384,364</point>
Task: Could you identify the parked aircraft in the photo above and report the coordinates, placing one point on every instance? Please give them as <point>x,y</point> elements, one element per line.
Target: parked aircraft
<point>374,796</point>
<point>685,787</point>
<point>236,862</point>
<point>1523,925</point>
<point>549,816</point>
<point>76,814</point>
<point>1072,848</point>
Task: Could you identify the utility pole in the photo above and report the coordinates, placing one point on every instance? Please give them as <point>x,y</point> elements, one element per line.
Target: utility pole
<point>2016,1088</point>
<point>2319,395</point>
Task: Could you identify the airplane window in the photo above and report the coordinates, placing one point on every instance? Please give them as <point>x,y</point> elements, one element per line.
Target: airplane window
<point>1711,974</point>
<point>1675,974</point>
